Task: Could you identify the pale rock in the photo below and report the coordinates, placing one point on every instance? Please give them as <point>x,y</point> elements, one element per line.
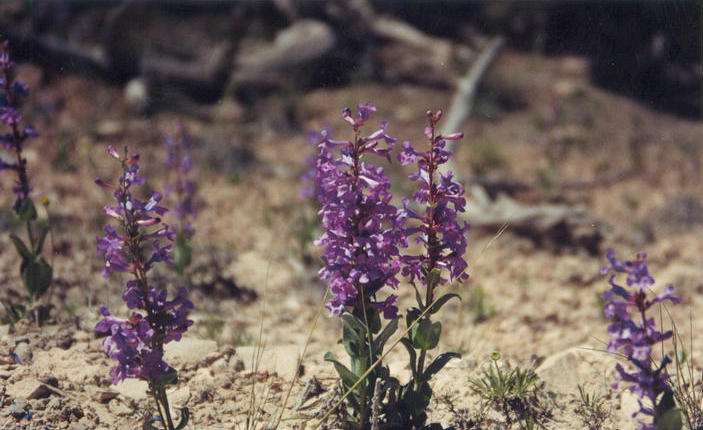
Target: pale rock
<point>136,94</point>
<point>564,371</point>
<point>24,388</point>
<point>18,408</point>
<point>282,360</point>
<point>119,408</point>
<point>132,389</point>
<point>23,351</point>
<point>179,397</point>
<point>102,413</point>
<point>81,336</point>
<point>67,364</point>
<point>188,352</point>
<point>220,365</point>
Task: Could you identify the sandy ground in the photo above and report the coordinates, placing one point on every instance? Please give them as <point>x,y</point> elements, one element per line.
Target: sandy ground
<point>253,282</point>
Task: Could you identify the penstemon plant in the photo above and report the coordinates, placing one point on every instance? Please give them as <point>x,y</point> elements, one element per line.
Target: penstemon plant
<point>35,272</point>
<point>361,236</point>
<point>442,260</point>
<point>134,246</point>
<point>635,334</point>
<point>181,190</point>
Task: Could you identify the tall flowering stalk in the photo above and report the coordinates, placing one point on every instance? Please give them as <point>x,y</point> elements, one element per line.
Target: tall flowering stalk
<point>361,236</point>
<point>442,260</point>
<point>635,334</point>
<point>36,273</point>
<point>181,190</point>
<point>134,246</point>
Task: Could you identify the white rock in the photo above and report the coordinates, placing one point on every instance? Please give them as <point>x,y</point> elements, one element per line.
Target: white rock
<point>132,389</point>
<point>565,370</point>
<point>282,360</point>
<point>188,352</point>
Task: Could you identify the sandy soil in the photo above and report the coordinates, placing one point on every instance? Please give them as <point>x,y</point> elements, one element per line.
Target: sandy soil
<point>253,279</point>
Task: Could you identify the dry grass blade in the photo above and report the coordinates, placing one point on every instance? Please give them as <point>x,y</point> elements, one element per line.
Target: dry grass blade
<point>300,359</point>
<point>258,352</point>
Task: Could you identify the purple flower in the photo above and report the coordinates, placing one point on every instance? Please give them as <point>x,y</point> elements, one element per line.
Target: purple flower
<point>137,343</point>
<point>443,237</point>
<point>636,337</point>
<point>180,187</point>
<point>361,227</point>
<point>11,92</point>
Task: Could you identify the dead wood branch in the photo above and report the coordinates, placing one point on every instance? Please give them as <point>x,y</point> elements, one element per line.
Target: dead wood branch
<point>463,99</point>
<point>560,225</point>
<point>303,42</point>
<point>511,187</point>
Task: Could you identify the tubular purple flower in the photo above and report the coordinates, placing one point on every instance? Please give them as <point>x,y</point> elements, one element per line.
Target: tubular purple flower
<point>636,337</point>
<point>137,343</point>
<point>361,228</point>
<point>11,93</point>
<point>113,152</point>
<point>438,229</point>
<point>180,187</point>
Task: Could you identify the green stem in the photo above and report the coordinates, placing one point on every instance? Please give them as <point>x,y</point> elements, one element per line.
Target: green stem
<point>364,394</point>
<point>158,404</point>
<point>164,400</point>
<point>31,236</point>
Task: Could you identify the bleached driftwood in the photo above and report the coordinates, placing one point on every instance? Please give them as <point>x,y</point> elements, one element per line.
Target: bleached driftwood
<point>560,225</point>
<point>302,42</point>
<point>463,100</point>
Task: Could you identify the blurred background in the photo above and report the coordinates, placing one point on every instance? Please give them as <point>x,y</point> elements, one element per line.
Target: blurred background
<point>582,125</point>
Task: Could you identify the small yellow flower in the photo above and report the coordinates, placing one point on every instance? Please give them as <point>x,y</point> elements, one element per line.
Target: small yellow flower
<point>45,201</point>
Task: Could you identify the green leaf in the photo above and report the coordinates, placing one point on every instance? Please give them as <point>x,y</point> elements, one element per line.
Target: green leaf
<point>21,248</point>
<point>374,320</point>
<point>185,415</point>
<point>441,301</point>
<point>348,378</point>
<point>36,276</point>
<point>411,352</point>
<point>412,315</point>
<point>25,209</point>
<point>425,334</point>
<point>182,254</point>
<point>42,236</point>
<point>382,338</point>
<point>353,322</point>
<point>668,416</point>
<point>432,278</point>
<point>669,420</point>
<point>353,335</point>
<point>438,363</point>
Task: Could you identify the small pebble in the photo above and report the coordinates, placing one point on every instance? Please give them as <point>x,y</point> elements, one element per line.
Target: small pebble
<point>17,409</point>
<point>23,352</point>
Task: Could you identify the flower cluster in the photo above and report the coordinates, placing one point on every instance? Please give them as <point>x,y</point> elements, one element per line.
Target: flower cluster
<point>438,228</point>
<point>636,337</point>
<point>11,93</point>
<point>137,343</point>
<point>361,227</point>
<point>180,163</point>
